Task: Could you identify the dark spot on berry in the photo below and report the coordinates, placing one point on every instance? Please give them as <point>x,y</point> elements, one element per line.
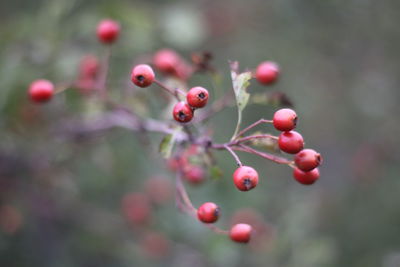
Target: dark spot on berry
<point>181,115</point>
<point>140,78</point>
<point>216,212</point>
<point>295,121</point>
<point>202,95</point>
<point>247,183</point>
<point>318,158</point>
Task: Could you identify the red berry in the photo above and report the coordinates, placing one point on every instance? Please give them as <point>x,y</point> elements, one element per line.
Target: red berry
<point>245,178</point>
<point>41,91</point>
<point>194,174</point>
<point>89,67</point>
<point>285,119</point>
<point>306,177</point>
<point>136,208</point>
<point>291,142</point>
<point>208,212</point>
<point>197,97</point>
<point>182,112</point>
<point>241,232</point>
<point>142,75</point>
<point>167,61</point>
<point>108,31</point>
<point>267,72</point>
<point>307,159</point>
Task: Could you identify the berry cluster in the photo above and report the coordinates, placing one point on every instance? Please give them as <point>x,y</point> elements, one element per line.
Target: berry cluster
<point>192,156</point>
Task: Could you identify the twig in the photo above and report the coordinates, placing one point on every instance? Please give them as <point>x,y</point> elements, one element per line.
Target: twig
<point>251,126</point>
<point>234,155</point>
<point>173,92</point>
<point>265,155</point>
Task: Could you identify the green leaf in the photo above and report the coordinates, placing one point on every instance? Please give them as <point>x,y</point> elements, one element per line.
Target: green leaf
<point>215,172</point>
<point>240,83</point>
<point>265,143</point>
<point>167,143</point>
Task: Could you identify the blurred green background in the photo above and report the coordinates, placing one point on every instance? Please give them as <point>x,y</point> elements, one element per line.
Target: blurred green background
<point>60,201</point>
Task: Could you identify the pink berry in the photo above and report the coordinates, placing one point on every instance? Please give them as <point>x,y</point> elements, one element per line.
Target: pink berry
<point>245,178</point>
<point>306,178</point>
<point>240,233</point>
<point>142,75</point>
<point>182,112</point>
<point>89,67</point>
<point>41,91</point>
<point>108,31</point>
<point>307,159</point>
<point>208,212</point>
<point>194,174</point>
<point>197,97</point>
<point>136,208</point>
<point>291,142</point>
<point>166,60</point>
<point>267,72</point>
<point>285,119</point>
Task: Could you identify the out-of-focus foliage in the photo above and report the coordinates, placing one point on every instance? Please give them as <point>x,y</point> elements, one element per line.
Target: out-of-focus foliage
<point>60,202</point>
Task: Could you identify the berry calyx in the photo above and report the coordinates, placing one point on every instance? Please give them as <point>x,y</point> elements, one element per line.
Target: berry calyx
<point>208,212</point>
<point>167,61</point>
<point>182,112</point>
<point>267,72</point>
<point>307,159</point>
<point>285,119</point>
<point>306,178</point>
<point>142,75</point>
<point>41,91</point>
<point>197,97</point>
<point>240,233</point>
<point>245,178</point>
<point>108,31</point>
<point>291,142</point>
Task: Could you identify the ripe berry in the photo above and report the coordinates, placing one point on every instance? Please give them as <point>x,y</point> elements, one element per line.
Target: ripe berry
<point>182,112</point>
<point>197,97</point>
<point>142,75</point>
<point>240,232</point>
<point>285,119</point>
<point>267,72</point>
<point>306,178</point>
<point>245,178</point>
<point>108,31</point>
<point>291,142</point>
<point>194,174</point>
<point>307,159</point>
<point>136,208</point>
<point>208,212</point>
<point>167,61</point>
<point>89,67</point>
<point>41,91</point>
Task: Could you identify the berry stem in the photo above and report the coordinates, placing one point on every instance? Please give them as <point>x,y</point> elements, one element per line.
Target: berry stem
<point>251,137</point>
<point>234,155</point>
<point>190,209</point>
<point>251,126</point>
<point>173,92</point>
<point>102,81</point>
<point>62,87</point>
<point>277,159</point>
